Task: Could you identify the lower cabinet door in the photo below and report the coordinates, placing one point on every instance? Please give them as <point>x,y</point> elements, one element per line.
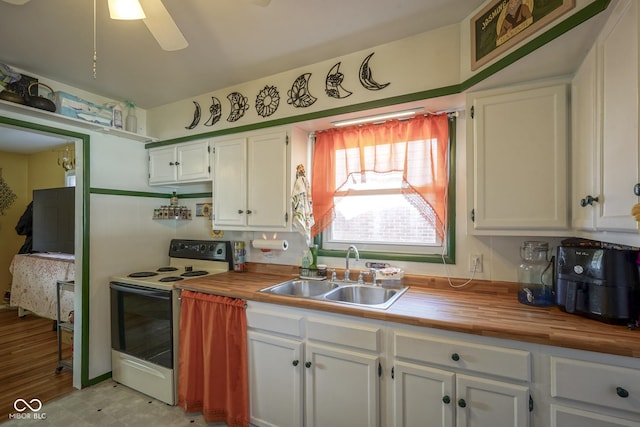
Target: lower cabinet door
<point>564,416</point>
<point>342,388</point>
<point>487,403</point>
<point>423,396</point>
<point>275,380</point>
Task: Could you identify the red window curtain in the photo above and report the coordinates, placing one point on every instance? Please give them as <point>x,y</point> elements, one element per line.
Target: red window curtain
<point>213,373</point>
<point>417,147</point>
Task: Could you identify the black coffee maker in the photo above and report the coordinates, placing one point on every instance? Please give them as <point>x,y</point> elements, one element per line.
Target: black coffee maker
<point>598,280</point>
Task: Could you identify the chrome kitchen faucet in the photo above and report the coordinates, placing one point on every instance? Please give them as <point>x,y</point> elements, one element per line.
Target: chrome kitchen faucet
<point>346,269</point>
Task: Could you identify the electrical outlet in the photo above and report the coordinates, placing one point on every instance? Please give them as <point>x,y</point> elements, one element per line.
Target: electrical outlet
<point>475,263</point>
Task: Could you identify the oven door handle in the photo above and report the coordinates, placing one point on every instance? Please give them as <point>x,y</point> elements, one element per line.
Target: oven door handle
<point>136,290</point>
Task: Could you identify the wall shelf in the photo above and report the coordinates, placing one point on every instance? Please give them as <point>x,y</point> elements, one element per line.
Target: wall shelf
<point>47,115</point>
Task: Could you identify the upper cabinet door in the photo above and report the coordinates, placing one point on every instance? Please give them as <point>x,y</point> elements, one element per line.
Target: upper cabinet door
<point>162,165</point>
<point>193,161</point>
<point>180,163</point>
<point>230,182</point>
<point>268,169</point>
<point>584,169</point>
<point>518,154</point>
<point>619,157</point>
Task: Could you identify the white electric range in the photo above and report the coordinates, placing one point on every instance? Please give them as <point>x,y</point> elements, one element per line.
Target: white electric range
<point>145,315</point>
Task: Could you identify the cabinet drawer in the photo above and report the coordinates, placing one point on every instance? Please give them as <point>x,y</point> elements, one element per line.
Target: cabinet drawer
<point>503,362</point>
<point>596,383</point>
<point>280,323</point>
<point>361,336</point>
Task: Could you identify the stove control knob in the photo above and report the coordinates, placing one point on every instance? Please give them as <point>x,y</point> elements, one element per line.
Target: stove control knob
<point>203,248</point>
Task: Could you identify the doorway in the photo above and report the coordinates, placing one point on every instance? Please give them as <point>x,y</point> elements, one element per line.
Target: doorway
<point>48,137</point>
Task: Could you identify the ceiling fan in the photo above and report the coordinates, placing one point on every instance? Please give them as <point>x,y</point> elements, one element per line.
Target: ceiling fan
<point>154,15</point>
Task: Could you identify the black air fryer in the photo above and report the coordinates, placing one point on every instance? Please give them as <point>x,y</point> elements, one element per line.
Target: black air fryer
<point>599,281</point>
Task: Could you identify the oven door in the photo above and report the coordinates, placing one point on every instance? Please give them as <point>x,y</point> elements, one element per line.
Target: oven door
<point>141,323</point>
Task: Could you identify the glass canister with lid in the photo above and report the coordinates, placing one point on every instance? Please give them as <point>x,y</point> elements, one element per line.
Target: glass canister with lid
<point>535,275</point>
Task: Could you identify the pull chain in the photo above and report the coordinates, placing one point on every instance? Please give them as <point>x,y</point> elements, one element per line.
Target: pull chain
<point>95,54</point>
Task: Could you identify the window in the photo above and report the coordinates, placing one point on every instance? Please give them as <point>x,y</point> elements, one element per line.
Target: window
<point>384,188</point>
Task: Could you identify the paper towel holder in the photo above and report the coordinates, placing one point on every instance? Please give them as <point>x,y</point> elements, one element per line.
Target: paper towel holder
<point>267,245</point>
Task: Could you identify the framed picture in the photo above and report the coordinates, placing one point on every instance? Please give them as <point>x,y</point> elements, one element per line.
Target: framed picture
<point>503,23</point>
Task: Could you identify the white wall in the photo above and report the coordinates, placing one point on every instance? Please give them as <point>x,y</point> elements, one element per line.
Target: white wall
<point>426,61</point>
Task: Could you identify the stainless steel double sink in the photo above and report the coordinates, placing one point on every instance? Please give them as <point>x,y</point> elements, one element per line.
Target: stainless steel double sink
<point>342,292</point>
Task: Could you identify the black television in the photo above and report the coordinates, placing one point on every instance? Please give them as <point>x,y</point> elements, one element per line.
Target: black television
<point>54,220</point>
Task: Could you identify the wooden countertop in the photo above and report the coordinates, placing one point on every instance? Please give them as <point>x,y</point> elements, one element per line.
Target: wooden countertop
<point>483,308</point>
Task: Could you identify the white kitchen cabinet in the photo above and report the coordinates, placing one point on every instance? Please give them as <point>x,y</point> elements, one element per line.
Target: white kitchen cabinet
<point>230,182</point>
<point>423,393</point>
<point>276,366</point>
<point>253,178</point>
<point>180,163</point>
<point>275,373</point>
<point>566,416</point>
<point>490,403</point>
<point>606,154</point>
<point>335,361</point>
<point>584,385</point>
<point>341,387</point>
<point>584,190</point>
<point>458,383</point>
<point>518,160</point>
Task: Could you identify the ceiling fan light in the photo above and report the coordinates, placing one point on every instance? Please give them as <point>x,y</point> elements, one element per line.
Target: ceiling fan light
<point>126,9</point>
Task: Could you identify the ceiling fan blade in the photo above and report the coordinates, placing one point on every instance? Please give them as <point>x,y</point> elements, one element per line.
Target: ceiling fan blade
<point>18,2</point>
<point>260,2</point>
<point>162,26</point>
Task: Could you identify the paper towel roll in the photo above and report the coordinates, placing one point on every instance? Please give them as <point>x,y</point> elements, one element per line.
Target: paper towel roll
<point>275,244</point>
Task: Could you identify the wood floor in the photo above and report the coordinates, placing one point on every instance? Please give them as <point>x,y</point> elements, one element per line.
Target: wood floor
<point>28,361</point>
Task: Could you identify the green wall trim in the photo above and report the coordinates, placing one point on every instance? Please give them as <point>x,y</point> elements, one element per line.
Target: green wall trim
<point>86,224</point>
<point>115,192</point>
<point>99,379</point>
<point>583,15</point>
<point>195,195</point>
<point>42,128</point>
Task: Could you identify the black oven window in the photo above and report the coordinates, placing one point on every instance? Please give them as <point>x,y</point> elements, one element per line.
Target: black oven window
<point>142,324</point>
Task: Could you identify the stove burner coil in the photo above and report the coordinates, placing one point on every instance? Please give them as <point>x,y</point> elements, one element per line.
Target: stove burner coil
<point>194,273</point>
<point>165,269</point>
<point>143,274</point>
<point>170,279</point>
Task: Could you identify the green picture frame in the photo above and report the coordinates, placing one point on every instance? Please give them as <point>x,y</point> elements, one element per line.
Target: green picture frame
<point>503,23</point>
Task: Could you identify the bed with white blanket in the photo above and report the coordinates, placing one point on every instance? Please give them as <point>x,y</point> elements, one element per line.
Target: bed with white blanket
<point>34,283</point>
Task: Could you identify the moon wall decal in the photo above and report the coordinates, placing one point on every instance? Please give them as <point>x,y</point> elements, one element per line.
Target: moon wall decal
<point>366,77</point>
<point>196,116</point>
<point>299,95</point>
<point>216,112</point>
<point>333,83</point>
<point>238,106</point>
